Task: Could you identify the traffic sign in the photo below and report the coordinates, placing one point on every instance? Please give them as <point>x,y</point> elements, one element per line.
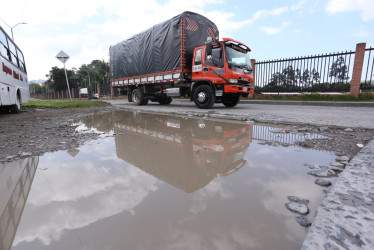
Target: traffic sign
<point>62,56</point>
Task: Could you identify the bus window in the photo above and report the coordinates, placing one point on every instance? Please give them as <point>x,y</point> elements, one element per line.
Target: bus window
<point>3,45</point>
<point>21,61</point>
<point>13,53</point>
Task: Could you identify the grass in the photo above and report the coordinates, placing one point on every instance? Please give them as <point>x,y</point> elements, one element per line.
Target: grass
<point>58,104</point>
<point>331,98</point>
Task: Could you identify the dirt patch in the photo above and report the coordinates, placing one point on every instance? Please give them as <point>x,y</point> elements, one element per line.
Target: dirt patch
<point>37,131</point>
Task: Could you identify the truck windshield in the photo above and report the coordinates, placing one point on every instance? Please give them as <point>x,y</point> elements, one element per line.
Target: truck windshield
<point>238,58</point>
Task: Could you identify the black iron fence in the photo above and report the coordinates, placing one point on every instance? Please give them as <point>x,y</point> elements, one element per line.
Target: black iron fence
<point>320,73</point>
<point>367,78</point>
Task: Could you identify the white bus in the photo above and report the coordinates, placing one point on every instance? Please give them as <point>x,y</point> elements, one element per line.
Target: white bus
<point>14,89</point>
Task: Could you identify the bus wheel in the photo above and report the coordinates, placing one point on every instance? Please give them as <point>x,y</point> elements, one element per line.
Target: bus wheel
<point>4,110</point>
<point>17,107</point>
<point>203,97</point>
<point>138,97</point>
<point>230,100</point>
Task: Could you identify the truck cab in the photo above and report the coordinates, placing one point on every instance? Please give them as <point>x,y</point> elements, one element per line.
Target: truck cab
<point>221,72</point>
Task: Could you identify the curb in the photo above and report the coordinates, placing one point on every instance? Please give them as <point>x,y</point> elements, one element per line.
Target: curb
<point>310,103</point>
<point>345,217</point>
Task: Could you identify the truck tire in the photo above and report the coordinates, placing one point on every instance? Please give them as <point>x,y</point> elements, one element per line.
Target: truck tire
<point>138,97</point>
<point>204,97</point>
<point>230,100</point>
<point>164,100</point>
<point>14,109</point>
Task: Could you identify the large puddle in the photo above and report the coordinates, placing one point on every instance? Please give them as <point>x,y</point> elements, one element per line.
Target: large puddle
<point>161,182</point>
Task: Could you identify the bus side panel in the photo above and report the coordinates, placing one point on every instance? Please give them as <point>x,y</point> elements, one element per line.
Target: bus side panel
<point>4,95</point>
<point>10,84</point>
<point>25,95</point>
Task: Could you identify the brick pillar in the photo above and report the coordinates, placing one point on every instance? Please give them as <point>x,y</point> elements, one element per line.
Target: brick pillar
<point>67,94</point>
<point>111,92</point>
<point>98,91</point>
<point>357,69</point>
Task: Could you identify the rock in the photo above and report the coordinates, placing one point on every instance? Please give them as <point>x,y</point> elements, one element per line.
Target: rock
<point>306,144</point>
<point>348,130</point>
<point>323,128</point>
<point>322,182</point>
<point>298,199</point>
<point>322,172</point>
<point>302,129</point>
<point>303,221</point>
<point>297,208</point>
<point>26,154</point>
<point>338,164</point>
<point>342,158</point>
<point>10,157</point>
<point>336,169</point>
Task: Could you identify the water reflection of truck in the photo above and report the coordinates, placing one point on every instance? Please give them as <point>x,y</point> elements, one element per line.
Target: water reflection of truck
<point>182,57</point>
<point>15,184</point>
<point>185,152</point>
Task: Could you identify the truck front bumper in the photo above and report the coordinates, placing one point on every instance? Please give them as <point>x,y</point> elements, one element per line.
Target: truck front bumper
<point>238,89</point>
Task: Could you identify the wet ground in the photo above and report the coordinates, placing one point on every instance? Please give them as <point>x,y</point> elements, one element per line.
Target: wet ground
<point>164,182</point>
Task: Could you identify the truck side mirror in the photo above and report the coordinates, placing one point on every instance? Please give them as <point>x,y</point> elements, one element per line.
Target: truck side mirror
<point>209,49</point>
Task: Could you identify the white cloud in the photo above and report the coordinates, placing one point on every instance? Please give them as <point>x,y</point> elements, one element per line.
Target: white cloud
<point>275,30</point>
<point>365,7</point>
<point>87,30</point>
<point>298,5</point>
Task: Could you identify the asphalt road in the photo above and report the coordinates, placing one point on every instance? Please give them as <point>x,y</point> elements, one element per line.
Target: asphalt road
<point>350,117</point>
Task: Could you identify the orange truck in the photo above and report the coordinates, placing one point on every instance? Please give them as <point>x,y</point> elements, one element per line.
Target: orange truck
<point>182,57</point>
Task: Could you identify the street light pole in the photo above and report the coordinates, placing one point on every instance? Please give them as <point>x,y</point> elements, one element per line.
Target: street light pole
<point>11,29</point>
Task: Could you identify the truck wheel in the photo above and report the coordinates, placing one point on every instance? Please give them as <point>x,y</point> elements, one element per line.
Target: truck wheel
<point>230,100</point>
<point>138,97</point>
<point>17,107</point>
<point>204,97</point>
<point>164,100</point>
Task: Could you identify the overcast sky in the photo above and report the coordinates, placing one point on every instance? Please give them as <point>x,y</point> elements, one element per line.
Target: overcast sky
<point>272,29</point>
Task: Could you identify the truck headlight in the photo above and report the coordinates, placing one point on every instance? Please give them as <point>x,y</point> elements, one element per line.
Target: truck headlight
<point>233,80</point>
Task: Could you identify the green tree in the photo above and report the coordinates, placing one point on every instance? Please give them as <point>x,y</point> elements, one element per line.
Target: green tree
<point>339,70</point>
<point>37,88</point>
<point>57,79</point>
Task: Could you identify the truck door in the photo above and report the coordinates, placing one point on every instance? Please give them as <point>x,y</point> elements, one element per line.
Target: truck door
<point>213,68</point>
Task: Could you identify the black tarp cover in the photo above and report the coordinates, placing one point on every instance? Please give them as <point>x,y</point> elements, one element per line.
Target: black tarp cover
<point>158,49</point>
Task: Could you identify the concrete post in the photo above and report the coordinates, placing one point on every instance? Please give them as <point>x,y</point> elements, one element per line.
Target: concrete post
<point>98,91</point>
<point>357,69</point>
<point>111,92</point>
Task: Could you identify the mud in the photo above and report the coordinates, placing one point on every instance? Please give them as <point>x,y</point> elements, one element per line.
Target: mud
<point>34,132</point>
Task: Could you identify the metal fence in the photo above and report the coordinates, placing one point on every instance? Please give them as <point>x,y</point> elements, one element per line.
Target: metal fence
<point>367,78</point>
<point>320,73</point>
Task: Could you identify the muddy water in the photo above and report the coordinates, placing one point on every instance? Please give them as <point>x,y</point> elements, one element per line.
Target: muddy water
<point>163,182</point>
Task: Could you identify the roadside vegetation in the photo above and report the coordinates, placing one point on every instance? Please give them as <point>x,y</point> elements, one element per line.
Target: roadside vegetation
<point>318,97</point>
<point>58,104</point>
